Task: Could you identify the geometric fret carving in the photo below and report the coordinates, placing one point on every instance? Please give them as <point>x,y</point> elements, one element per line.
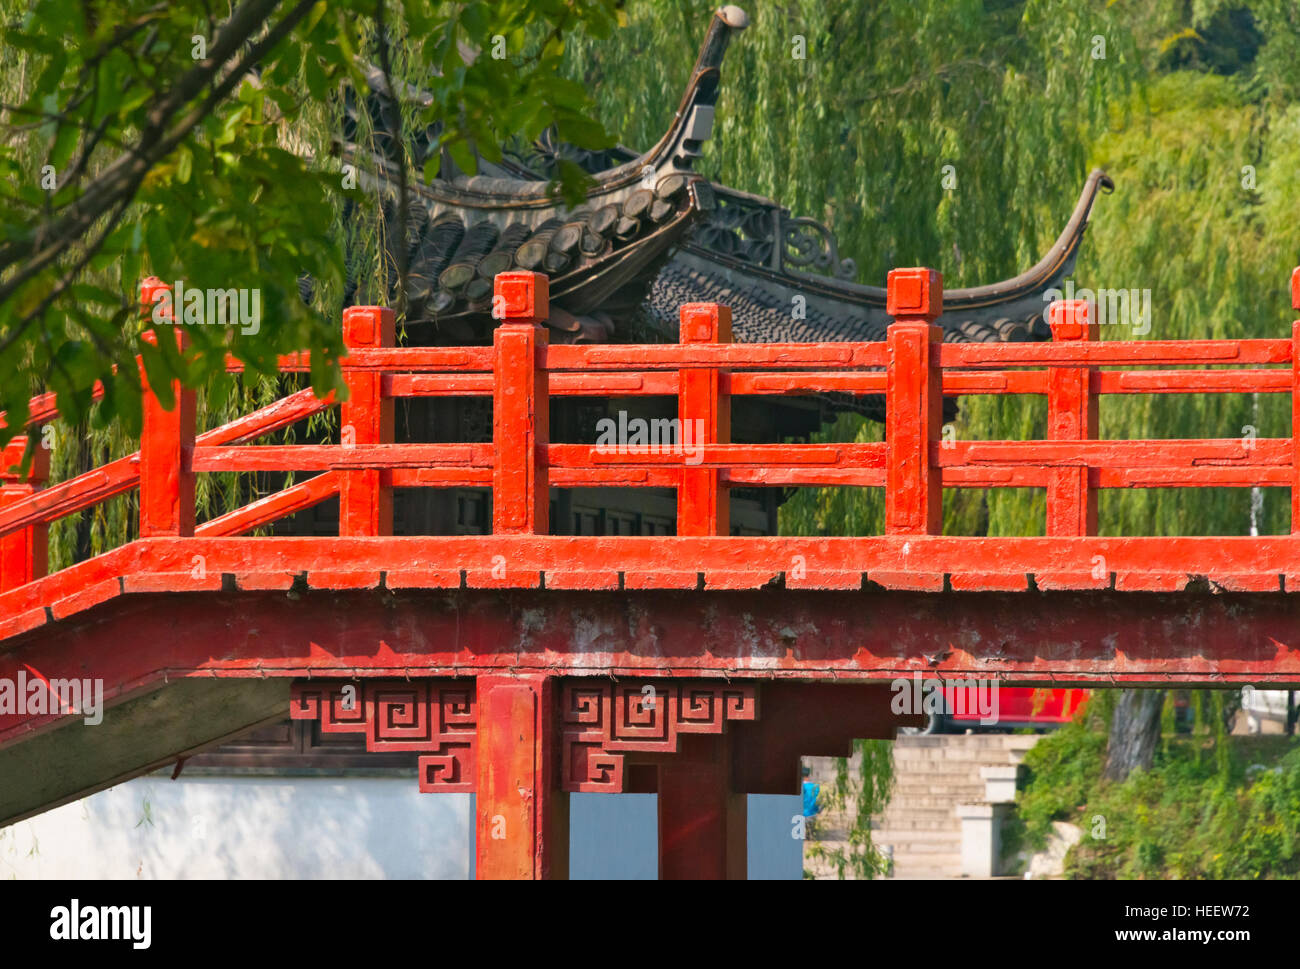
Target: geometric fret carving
<point>436,718</point>
<point>601,721</point>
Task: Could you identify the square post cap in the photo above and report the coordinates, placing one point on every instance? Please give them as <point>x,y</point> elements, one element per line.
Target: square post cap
<point>1070,319</point>
<point>704,323</point>
<point>151,290</point>
<point>520,296</point>
<point>368,326</point>
<point>914,294</point>
<point>1295,288</point>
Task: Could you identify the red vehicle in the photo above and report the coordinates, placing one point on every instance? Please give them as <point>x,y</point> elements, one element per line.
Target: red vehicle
<point>984,708</point>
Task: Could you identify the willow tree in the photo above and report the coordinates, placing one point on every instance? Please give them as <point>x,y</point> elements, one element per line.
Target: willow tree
<point>852,115</point>
<point>199,142</point>
<point>947,133</point>
<point>1208,223</point>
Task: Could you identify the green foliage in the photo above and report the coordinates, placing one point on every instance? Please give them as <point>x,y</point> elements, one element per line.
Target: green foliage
<point>1060,770</point>
<point>153,139</point>
<point>1015,97</point>
<point>1212,806</point>
<point>865,785</point>
<point>241,186</point>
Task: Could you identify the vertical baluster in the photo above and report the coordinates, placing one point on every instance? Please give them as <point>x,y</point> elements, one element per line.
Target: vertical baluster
<point>914,403</point>
<point>1295,408</point>
<point>24,553</point>
<point>704,413</point>
<point>1071,416</point>
<point>166,440</point>
<point>521,406</point>
<point>366,417</point>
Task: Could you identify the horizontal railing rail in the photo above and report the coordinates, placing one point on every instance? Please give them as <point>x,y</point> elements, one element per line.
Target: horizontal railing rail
<point>911,371</point>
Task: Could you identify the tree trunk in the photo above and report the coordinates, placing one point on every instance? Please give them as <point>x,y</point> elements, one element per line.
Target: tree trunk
<point>1134,732</point>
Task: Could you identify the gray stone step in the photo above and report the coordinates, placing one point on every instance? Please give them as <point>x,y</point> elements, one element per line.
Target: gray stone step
<point>918,842</point>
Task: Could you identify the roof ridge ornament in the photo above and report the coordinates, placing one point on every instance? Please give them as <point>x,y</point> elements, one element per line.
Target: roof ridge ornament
<point>733,17</point>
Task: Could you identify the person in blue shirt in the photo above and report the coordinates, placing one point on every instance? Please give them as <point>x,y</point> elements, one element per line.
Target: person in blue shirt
<point>810,793</point>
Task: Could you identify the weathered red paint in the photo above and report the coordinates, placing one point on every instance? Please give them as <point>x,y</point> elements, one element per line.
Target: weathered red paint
<point>467,646</point>
<point>606,724</point>
<point>704,409</point>
<point>1071,416</point>
<point>913,404</point>
<point>522,820</point>
<point>166,443</point>
<point>702,819</point>
<point>521,404</point>
<point>366,419</point>
<point>1295,415</point>
<point>435,718</point>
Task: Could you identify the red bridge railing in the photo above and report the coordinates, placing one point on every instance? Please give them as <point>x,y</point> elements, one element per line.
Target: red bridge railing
<point>913,369</point>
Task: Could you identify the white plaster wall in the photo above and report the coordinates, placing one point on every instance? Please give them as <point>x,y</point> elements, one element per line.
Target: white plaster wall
<point>246,827</point>
<point>346,827</point>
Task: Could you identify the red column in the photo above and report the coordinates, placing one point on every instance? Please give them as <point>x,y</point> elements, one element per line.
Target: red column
<point>913,404</point>
<point>23,554</point>
<point>704,411</point>
<point>522,823</point>
<point>365,495</point>
<point>521,502</point>
<point>1295,405</point>
<point>1071,416</point>
<point>702,820</point>
<point>166,444</point>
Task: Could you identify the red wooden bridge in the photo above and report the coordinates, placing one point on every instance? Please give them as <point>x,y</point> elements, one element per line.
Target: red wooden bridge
<point>523,665</point>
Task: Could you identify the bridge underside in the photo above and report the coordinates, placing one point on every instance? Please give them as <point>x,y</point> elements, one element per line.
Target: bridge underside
<point>515,687</point>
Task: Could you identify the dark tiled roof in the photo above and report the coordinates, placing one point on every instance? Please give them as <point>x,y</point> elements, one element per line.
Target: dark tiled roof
<point>653,235</point>
<point>758,315</point>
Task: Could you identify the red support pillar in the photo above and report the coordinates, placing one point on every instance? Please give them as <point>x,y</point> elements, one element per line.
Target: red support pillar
<point>166,443</point>
<point>1295,406</point>
<point>704,413</point>
<point>702,820</point>
<point>913,403</point>
<point>521,502</point>
<point>522,823</point>
<point>24,553</point>
<point>366,417</point>
<point>1071,416</point>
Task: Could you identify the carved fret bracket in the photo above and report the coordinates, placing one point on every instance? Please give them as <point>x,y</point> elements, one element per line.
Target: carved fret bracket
<point>602,721</point>
<point>435,718</point>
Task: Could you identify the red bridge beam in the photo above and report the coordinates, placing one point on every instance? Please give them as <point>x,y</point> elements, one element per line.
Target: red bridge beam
<point>1082,638</point>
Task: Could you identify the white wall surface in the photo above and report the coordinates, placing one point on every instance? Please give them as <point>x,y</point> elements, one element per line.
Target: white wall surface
<point>346,827</point>
<point>246,827</point>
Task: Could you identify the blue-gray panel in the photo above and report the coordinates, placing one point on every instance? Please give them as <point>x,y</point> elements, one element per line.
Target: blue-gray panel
<point>774,853</point>
<point>613,836</point>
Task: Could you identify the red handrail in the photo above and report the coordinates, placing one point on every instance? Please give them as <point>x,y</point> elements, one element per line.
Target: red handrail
<point>913,369</point>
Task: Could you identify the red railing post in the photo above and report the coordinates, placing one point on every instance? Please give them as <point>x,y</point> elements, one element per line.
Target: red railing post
<point>166,443</point>
<point>24,553</point>
<point>1295,406</point>
<point>1071,416</point>
<point>704,417</point>
<point>521,502</point>
<point>913,403</point>
<point>366,417</point>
